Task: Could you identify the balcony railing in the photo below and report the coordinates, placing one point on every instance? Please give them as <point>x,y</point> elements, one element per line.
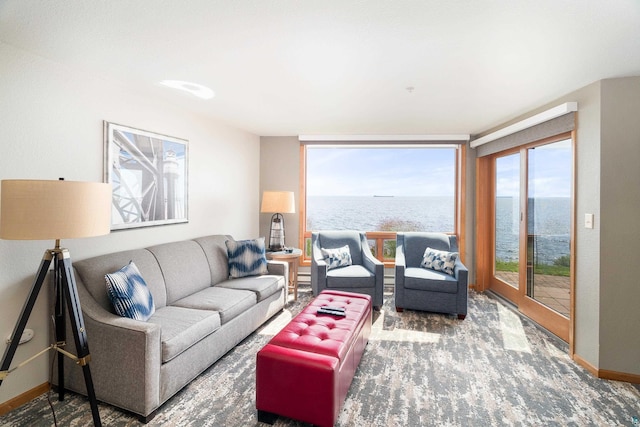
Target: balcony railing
<point>382,244</point>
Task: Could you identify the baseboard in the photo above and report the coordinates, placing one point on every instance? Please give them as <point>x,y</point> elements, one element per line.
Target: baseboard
<point>606,374</point>
<point>25,397</point>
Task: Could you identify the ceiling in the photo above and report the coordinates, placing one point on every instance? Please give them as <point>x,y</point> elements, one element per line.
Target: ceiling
<point>289,67</point>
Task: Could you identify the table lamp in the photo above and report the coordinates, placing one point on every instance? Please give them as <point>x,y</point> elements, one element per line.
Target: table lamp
<point>277,202</point>
<point>43,210</point>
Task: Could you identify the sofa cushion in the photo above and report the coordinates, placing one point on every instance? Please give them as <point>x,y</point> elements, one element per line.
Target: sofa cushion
<point>429,280</point>
<point>263,286</point>
<point>90,273</point>
<point>129,293</point>
<point>184,266</point>
<point>215,250</point>
<point>246,257</point>
<point>352,276</point>
<point>439,260</point>
<point>183,327</point>
<point>228,302</point>
<point>337,257</point>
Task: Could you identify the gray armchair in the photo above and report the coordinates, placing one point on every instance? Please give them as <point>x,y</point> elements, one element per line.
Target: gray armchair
<point>418,288</point>
<point>365,275</point>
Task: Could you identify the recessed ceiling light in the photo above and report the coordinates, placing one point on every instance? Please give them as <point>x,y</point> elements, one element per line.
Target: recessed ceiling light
<point>193,88</point>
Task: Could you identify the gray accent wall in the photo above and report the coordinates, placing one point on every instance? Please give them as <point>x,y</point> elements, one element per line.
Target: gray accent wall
<point>280,171</point>
<point>620,225</point>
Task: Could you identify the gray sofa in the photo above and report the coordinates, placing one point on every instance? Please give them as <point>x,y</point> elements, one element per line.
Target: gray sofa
<point>200,315</point>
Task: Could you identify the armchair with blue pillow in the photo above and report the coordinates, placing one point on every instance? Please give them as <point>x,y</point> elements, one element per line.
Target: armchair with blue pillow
<point>342,260</point>
<point>429,274</point>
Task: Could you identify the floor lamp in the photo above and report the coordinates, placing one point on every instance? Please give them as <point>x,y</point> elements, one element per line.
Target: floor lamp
<point>54,210</point>
<point>277,202</point>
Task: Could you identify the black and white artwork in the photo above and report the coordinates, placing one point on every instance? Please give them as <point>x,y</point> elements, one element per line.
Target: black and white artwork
<point>149,176</point>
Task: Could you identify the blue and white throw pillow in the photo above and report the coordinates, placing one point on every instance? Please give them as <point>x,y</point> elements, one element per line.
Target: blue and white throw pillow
<point>129,293</point>
<point>439,260</point>
<point>338,257</point>
<point>246,257</point>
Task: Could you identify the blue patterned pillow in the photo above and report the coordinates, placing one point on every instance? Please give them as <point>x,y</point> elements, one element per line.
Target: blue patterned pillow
<point>246,257</point>
<point>129,293</point>
<point>439,260</point>
<point>338,257</point>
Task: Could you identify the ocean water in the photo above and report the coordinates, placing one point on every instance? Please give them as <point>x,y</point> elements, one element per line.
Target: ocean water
<point>549,228</point>
<point>550,225</point>
<point>370,213</point>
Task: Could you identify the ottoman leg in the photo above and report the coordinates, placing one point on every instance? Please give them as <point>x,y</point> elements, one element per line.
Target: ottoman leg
<point>267,417</point>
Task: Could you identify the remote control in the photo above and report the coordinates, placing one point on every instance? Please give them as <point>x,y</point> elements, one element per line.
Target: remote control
<point>333,308</point>
<point>332,312</point>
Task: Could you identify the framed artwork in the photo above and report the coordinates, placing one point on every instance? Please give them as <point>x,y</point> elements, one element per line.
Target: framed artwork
<point>149,176</point>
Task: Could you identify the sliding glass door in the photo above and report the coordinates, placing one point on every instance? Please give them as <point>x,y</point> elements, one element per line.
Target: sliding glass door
<point>532,218</point>
<point>549,225</point>
<point>507,219</point>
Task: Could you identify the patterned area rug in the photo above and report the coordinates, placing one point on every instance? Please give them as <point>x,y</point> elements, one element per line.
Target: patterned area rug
<point>419,369</point>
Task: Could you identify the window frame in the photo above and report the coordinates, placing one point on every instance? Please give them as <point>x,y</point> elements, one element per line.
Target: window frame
<point>379,237</point>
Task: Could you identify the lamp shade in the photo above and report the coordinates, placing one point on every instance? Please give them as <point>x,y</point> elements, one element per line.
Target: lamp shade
<point>45,210</point>
<point>278,202</point>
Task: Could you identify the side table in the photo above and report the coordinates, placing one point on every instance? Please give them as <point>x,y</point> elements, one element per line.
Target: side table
<point>292,258</point>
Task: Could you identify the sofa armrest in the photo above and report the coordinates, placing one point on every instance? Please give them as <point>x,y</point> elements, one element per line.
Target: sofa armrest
<point>318,269</point>
<point>278,268</point>
<point>401,263</point>
<point>125,358</point>
<point>461,274</point>
<point>369,261</point>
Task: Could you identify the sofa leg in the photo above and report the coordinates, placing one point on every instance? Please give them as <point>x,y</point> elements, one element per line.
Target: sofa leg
<point>461,316</point>
<point>148,418</point>
<point>399,309</point>
<point>267,417</point>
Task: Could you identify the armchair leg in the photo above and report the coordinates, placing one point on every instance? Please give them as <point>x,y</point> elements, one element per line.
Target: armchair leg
<point>461,316</point>
<point>399,309</point>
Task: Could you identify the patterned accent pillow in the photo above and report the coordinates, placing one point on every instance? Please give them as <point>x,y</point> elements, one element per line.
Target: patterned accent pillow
<point>338,257</point>
<point>129,293</point>
<point>246,257</point>
<point>439,260</point>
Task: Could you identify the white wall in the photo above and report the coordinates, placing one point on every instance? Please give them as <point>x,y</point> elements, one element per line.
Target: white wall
<point>51,125</point>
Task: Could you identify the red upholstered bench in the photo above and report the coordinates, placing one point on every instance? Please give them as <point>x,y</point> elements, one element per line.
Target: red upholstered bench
<point>305,371</point>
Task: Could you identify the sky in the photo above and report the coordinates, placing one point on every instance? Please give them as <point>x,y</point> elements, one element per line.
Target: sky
<point>367,171</point>
<point>549,172</point>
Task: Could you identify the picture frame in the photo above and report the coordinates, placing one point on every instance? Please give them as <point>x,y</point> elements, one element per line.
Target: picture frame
<point>148,173</point>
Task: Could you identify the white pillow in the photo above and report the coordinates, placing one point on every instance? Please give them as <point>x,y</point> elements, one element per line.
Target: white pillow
<point>246,257</point>
<point>338,257</point>
<point>439,260</point>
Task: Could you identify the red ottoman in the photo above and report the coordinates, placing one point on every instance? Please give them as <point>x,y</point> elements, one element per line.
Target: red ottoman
<point>305,371</point>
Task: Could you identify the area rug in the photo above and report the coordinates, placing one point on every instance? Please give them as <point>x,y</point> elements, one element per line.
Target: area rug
<point>495,368</point>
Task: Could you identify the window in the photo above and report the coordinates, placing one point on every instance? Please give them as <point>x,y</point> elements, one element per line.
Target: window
<point>380,189</point>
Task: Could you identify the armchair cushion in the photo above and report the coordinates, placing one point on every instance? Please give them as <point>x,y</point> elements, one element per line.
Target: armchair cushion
<point>352,276</point>
<point>338,257</point>
<point>246,257</point>
<point>439,260</point>
<point>423,279</point>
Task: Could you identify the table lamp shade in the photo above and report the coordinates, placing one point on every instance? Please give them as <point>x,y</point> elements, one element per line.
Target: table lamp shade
<point>278,202</point>
<point>45,210</point>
